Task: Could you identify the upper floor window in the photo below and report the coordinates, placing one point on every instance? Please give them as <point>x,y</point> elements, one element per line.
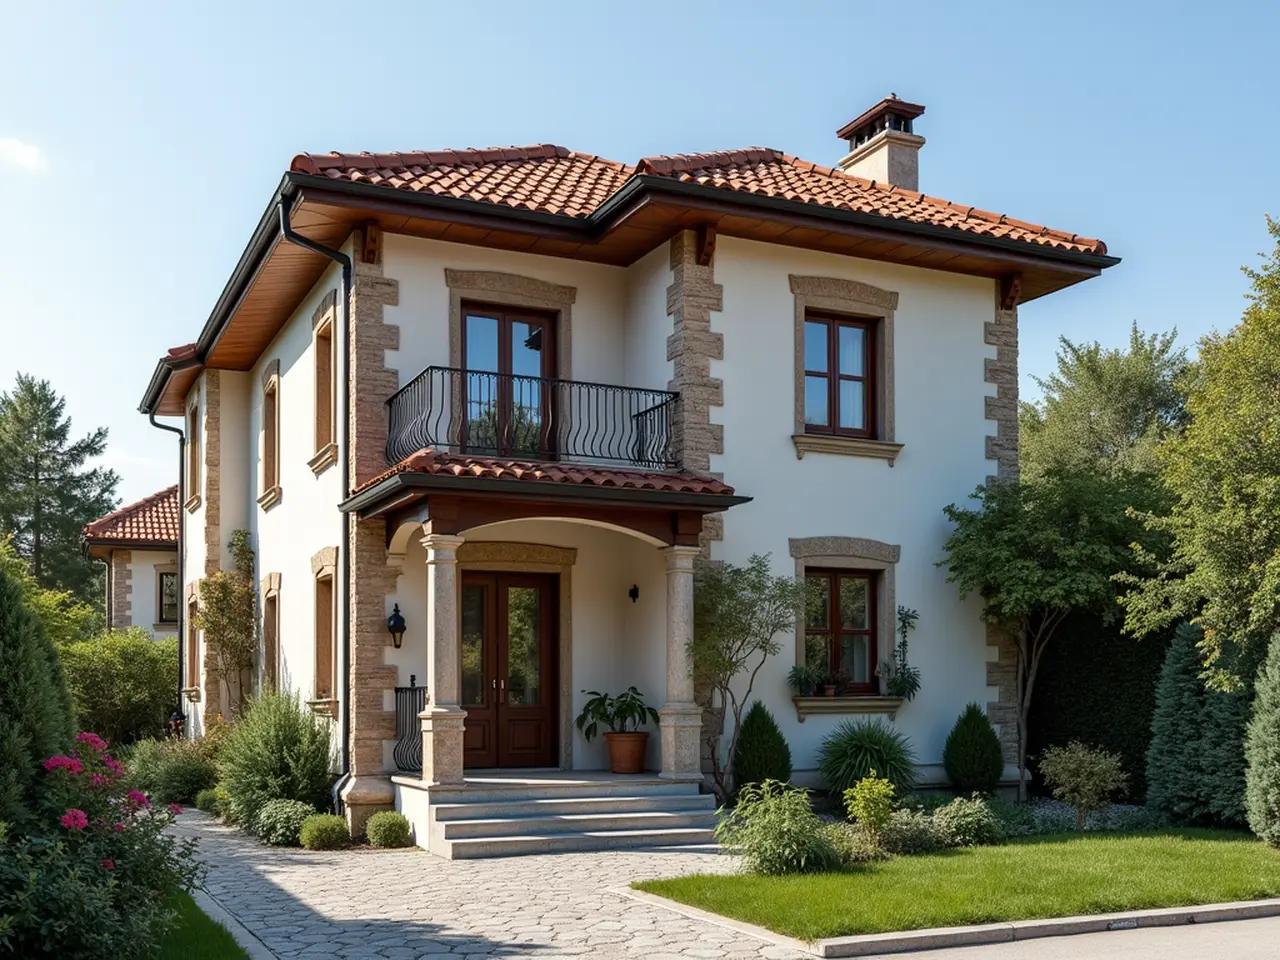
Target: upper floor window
<point>193,456</point>
<point>840,628</point>
<point>168,597</point>
<point>326,390</point>
<point>270,438</point>
<point>839,375</point>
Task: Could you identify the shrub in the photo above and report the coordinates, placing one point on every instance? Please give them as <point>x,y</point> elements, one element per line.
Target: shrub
<point>207,801</point>
<point>852,845</point>
<point>925,801</point>
<point>969,822</point>
<point>855,748</point>
<point>224,806</point>
<point>35,708</point>
<point>1174,759</point>
<point>1082,776</point>
<point>776,832</point>
<point>279,822</point>
<point>910,831</point>
<point>972,755</point>
<point>173,770</point>
<point>325,831</point>
<point>1262,748</point>
<point>388,829</point>
<point>870,803</point>
<point>122,683</point>
<point>1222,776</point>
<point>1016,819</point>
<point>762,752</point>
<point>277,751</point>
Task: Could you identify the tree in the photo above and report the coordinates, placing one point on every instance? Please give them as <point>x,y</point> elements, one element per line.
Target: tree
<point>737,613</point>
<point>122,683</point>
<point>1174,759</point>
<point>66,619</point>
<point>47,491</point>
<point>1038,550</point>
<point>1262,748</point>
<point>1223,572</point>
<point>229,618</point>
<point>1105,409</point>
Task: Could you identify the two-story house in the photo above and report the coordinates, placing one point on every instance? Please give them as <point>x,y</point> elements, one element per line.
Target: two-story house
<point>138,545</point>
<point>511,396</point>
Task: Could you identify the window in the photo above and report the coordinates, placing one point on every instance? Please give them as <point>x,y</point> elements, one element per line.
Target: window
<point>168,597</point>
<point>839,375</point>
<point>270,440</point>
<point>324,394</point>
<point>507,352</point>
<point>193,645</point>
<point>840,628</point>
<point>324,686</point>
<point>193,456</point>
<point>270,640</point>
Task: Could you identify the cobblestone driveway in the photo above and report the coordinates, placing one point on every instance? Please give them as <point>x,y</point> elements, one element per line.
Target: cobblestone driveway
<point>409,905</point>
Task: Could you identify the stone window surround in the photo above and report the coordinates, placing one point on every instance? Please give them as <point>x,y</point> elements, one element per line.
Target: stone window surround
<point>324,566</point>
<point>270,586</point>
<point>322,324</point>
<point>270,494</point>
<point>850,553</point>
<point>160,569</point>
<point>193,443</point>
<point>856,299</point>
<point>510,289</point>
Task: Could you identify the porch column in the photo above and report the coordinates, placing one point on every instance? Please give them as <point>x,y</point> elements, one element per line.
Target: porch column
<point>681,718</point>
<point>443,718</point>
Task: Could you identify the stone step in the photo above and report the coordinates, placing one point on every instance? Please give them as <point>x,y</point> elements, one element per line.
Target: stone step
<point>566,842</point>
<point>516,826</point>
<point>500,791</point>
<point>559,806</point>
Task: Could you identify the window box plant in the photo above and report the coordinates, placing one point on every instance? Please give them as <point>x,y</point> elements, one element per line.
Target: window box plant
<point>829,683</point>
<point>804,679</point>
<point>623,715</point>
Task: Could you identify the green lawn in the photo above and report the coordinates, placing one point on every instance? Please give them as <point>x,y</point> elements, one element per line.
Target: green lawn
<point>197,937</point>
<point>1033,878</point>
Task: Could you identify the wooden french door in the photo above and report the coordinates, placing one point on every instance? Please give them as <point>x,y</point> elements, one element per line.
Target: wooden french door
<point>509,669</point>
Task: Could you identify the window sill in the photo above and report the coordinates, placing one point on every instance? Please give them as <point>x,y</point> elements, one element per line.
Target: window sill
<point>193,503</point>
<point>324,708</point>
<point>325,457</point>
<point>191,694</point>
<point>825,706</point>
<point>845,446</point>
<point>164,628</point>
<point>269,498</point>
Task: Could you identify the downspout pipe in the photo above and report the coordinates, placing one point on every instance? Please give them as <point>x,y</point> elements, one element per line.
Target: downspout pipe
<point>182,546</point>
<point>344,458</point>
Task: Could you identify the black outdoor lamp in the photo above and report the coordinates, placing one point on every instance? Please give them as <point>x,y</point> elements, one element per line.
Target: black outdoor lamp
<point>395,626</point>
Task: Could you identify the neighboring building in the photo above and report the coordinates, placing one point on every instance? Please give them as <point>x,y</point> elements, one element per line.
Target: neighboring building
<point>557,381</point>
<point>139,545</point>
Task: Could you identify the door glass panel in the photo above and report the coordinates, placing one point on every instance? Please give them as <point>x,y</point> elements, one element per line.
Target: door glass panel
<point>855,658</point>
<point>815,347</point>
<point>853,603</point>
<point>524,647</point>
<point>852,412</point>
<point>815,401</point>
<point>473,665</point>
<point>526,390</point>
<point>852,353</point>
<point>482,344</point>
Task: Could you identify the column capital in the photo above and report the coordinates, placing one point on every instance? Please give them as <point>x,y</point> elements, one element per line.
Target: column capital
<point>442,547</point>
<point>680,558</point>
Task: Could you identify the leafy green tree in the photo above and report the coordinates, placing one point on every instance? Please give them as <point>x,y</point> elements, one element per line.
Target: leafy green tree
<point>1224,569</point>
<point>47,490</point>
<point>65,618</point>
<point>228,617</point>
<point>1039,550</point>
<point>1262,748</point>
<point>1105,409</point>
<point>122,683</point>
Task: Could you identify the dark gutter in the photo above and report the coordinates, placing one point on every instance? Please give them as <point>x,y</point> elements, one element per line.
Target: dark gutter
<point>165,368</point>
<point>135,544</point>
<point>520,489</point>
<point>182,530</point>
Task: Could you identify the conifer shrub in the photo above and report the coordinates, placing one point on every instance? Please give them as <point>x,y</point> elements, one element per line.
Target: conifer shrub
<point>1262,751</point>
<point>762,752</point>
<point>389,830</point>
<point>972,756</point>
<point>1222,772</point>
<point>1174,760</point>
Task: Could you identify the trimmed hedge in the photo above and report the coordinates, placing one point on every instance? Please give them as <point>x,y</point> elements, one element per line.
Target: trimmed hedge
<point>388,829</point>
<point>325,831</point>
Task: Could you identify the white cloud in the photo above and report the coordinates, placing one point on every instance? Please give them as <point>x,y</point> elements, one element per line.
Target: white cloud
<point>26,155</point>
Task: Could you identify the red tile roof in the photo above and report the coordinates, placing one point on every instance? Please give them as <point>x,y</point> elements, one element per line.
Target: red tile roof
<point>437,463</point>
<point>152,520</point>
<point>551,179</point>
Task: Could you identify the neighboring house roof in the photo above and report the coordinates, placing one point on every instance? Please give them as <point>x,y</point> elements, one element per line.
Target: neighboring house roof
<point>151,522</point>
<point>552,179</point>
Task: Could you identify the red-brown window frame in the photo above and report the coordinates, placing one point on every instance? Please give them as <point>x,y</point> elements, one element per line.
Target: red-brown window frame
<point>833,376</point>
<point>834,632</point>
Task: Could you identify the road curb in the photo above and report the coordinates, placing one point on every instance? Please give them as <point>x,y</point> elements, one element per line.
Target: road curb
<point>255,948</point>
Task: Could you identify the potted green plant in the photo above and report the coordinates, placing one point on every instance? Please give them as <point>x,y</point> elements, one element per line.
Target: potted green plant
<point>829,683</point>
<point>623,715</point>
<point>804,679</point>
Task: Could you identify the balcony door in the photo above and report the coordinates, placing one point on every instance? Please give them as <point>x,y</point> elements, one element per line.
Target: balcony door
<point>509,671</point>
<point>508,354</point>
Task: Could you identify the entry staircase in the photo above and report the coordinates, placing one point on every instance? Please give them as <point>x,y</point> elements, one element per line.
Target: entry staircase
<point>503,816</point>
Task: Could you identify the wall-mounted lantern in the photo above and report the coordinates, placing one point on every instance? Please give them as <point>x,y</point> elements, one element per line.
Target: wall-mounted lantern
<point>634,593</point>
<point>395,626</point>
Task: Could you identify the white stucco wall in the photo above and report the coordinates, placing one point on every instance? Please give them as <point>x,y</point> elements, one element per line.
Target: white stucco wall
<point>648,326</point>
<point>144,600</point>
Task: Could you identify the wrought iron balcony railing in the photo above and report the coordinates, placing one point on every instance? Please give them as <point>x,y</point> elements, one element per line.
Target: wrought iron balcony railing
<point>410,701</point>
<point>532,418</point>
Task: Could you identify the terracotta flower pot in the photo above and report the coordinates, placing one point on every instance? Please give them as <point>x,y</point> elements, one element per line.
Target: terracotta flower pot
<point>626,751</point>
<point>828,689</point>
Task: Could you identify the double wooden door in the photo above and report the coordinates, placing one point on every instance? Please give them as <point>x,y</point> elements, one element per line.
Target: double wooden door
<point>509,669</point>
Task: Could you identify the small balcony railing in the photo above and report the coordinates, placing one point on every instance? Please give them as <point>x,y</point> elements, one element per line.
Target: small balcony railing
<point>410,701</point>
<point>532,418</point>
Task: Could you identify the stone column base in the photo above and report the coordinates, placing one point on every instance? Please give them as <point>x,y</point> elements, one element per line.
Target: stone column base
<point>442,745</point>
<point>364,796</point>
<point>681,726</point>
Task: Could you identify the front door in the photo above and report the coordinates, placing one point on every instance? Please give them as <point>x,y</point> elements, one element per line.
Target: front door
<point>509,669</point>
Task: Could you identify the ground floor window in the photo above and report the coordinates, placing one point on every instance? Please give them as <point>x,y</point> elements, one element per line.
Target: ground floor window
<point>270,642</point>
<point>324,638</point>
<point>840,628</point>
<point>193,645</point>
<point>168,597</point>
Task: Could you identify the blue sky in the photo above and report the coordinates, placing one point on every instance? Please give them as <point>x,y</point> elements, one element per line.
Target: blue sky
<point>139,143</point>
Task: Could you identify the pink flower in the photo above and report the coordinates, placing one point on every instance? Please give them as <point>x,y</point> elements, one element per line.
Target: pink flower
<point>138,799</point>
<point>74,819</point>
<point>70,764</point>
<point>93,740</point>
<point>108,864</point>
<point>98,780</point>
<point>112,765</point>
<point>120,827</point>
<point>175,809</point>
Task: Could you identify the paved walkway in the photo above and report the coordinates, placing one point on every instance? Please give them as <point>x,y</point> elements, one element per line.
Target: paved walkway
<point>409,905</point>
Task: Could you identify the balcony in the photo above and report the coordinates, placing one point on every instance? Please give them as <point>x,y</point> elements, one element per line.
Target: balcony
<point>515,417</point>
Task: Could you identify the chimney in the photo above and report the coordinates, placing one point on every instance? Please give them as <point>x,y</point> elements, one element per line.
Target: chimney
<point>882,145</point>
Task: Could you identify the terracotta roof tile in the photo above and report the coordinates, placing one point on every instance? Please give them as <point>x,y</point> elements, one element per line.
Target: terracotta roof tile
<point>152,520</point>
<point>550,179</point>
<point>437,463</point>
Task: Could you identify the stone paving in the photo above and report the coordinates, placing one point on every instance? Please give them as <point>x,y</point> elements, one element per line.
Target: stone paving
<point>409,905</point>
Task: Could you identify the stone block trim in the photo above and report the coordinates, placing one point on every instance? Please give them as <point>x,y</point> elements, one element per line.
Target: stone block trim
<point>369,380</point>
<point>513,290</point>
<point>212,475</point>
<point>121,572</point>
<point>327,306</point>
<point>373,681</point>
<point>325,561</point>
